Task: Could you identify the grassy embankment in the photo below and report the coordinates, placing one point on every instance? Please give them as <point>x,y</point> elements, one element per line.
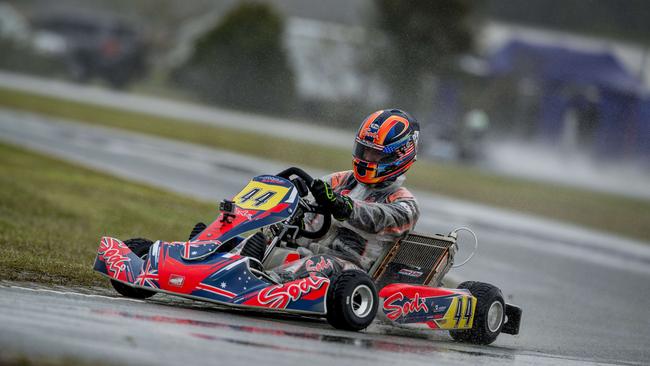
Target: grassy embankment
<point>52,215</point>
<point>607,212</point>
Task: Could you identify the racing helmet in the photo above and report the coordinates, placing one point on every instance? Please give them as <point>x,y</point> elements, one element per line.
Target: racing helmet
<point>385,146</point>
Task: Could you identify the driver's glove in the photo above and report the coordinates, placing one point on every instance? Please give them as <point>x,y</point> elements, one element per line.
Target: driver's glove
<point>339,206</point>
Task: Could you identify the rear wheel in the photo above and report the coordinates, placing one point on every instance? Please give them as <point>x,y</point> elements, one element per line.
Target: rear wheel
<point>352,301</point>
<point>489,315</point>
<point>140,247</point>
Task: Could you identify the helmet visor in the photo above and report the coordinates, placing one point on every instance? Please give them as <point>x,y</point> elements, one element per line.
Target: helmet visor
<point>371,154</point>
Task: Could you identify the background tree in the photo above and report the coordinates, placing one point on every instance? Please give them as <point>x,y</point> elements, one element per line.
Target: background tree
<point>242,62</point>
<point>421,38</point>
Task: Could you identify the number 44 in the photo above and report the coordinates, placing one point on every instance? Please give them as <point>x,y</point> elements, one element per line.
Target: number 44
<point>460,314</point>
<point>259,199</point>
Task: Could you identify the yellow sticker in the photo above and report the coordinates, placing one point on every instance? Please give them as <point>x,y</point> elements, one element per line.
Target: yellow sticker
<point>460,314</point>
<point>260,196</point>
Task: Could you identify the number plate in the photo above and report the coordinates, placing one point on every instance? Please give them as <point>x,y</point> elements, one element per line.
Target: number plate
<point>260,196</point>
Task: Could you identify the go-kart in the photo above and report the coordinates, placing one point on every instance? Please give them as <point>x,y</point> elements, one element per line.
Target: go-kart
<point>228,262</point>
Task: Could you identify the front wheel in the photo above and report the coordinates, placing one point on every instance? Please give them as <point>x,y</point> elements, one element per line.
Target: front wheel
<point>352,301</point>
<point>139,247</point>
<point>489,316</point>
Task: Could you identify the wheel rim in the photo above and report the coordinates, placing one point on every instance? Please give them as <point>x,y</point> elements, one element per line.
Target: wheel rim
<point>495,316</point>
<point>362,301</point>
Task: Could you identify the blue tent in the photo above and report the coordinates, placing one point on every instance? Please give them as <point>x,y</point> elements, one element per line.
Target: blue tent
<point>623,124</point>
<point>565,65</point>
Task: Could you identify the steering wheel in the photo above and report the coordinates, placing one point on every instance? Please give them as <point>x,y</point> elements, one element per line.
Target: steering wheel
<point>313,208</point>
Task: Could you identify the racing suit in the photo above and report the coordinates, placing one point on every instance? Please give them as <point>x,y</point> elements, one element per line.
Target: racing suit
<point>382,215</point>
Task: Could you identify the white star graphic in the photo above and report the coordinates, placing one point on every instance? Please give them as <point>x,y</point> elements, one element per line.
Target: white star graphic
<point>223,285</point>
<point>239,278</point>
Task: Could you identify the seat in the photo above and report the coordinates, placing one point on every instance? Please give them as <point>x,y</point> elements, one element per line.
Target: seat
<point>280,256</point>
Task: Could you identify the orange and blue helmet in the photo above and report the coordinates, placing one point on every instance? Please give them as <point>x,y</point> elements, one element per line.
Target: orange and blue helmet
<point>385,146</point>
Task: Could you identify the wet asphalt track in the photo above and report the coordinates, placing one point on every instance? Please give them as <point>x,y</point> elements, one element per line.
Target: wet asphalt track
<point>585,297</point>
<point>165,331</point>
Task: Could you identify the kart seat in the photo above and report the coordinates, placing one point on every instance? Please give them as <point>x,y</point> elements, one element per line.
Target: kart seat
<point>280,256</point>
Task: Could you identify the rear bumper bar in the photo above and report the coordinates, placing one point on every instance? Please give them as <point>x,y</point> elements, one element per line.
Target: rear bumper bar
<point>513,320</point>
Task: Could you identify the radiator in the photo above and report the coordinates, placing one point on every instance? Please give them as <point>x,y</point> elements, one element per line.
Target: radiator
<point>417,259</point>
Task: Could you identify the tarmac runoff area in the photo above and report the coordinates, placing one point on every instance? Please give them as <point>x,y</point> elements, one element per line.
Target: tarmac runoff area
<point>584,294</point>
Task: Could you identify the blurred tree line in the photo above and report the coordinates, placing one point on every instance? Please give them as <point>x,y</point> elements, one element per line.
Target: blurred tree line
<point>23,58</point>
<point>421,40</point>
<point>242,61</point>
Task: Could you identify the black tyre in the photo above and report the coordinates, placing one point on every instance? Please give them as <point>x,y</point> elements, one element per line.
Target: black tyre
<point>352,301</point>
<point>198,228</point>
<point>489,314</point>
<point>140,247</point>
<point>255,247</point>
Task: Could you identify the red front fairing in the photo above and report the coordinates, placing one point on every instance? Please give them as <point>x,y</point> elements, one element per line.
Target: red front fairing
<point>115,259</point>
<point>266,200</point>
<point>223,278</point>
<point>199,269</point>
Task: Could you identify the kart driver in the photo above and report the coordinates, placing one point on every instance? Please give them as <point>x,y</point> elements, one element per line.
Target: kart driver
<point>371,208</point>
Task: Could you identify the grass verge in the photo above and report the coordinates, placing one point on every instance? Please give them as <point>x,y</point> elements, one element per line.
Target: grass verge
<point>603,211</point>
<point>29,360</point>
<point>52,215</point>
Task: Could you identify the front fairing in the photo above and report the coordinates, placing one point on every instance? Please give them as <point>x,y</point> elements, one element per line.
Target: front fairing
<point>266,200</point>
<point>226,278</point>
<point>208,277</point>
<point>197,269</point>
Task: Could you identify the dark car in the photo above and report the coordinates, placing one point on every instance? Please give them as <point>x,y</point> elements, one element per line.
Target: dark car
<point>98,46</point>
